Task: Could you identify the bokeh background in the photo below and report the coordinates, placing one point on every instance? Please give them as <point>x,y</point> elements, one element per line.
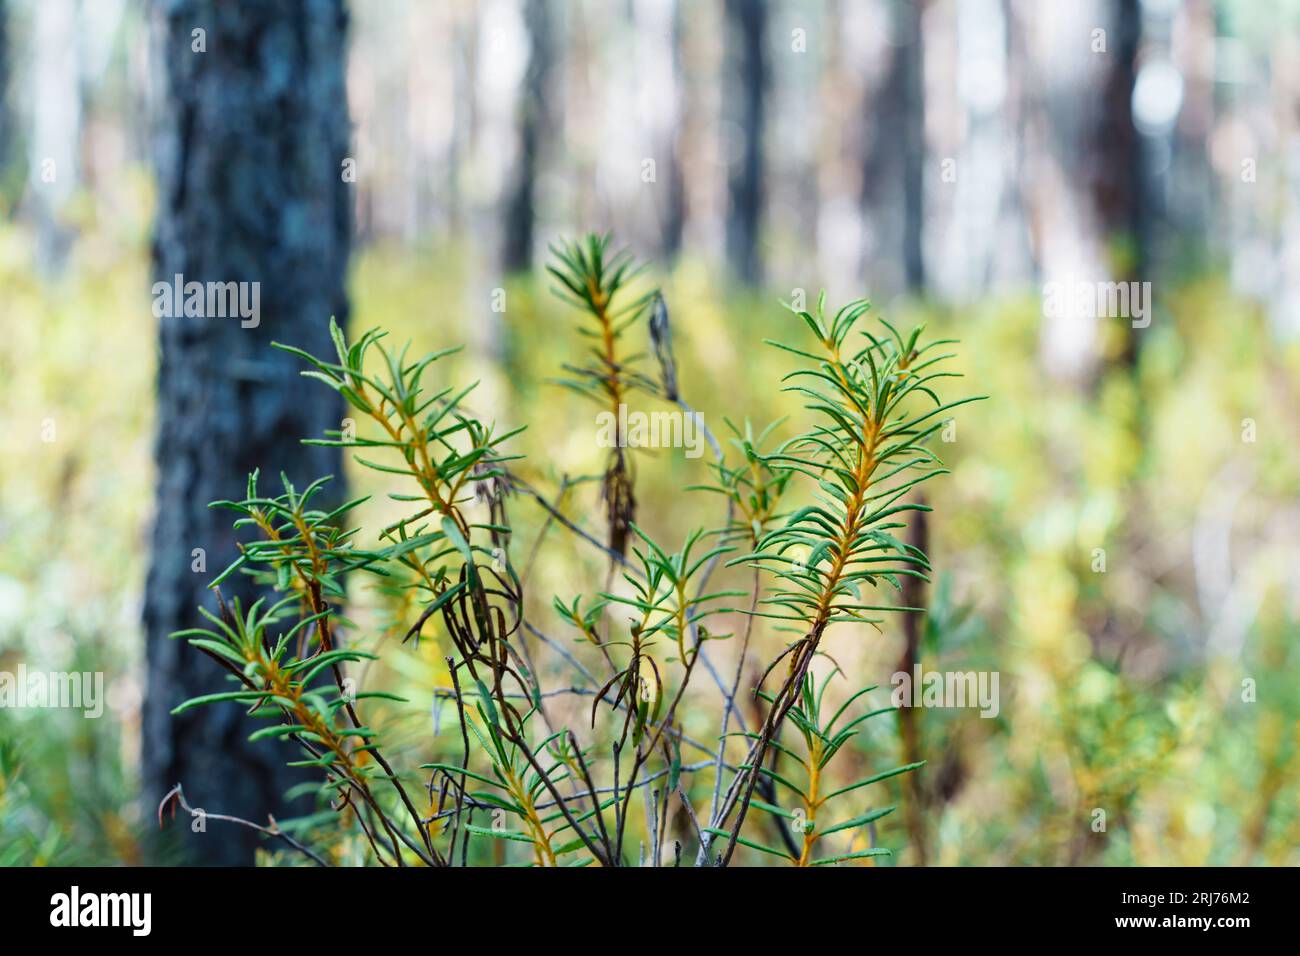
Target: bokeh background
<point>949,159</point>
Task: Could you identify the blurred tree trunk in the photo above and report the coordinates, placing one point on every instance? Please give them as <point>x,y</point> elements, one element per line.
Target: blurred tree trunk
<point>675,213</point>
<point>746,86</point>
<point>1115,172</point>
<point>460,143</point>
<point>1087,190</point>
<point>255,135</point>
<point>1113,153</point>
<point>1190,190</point>
<point>55,117</point>
<point>534,116</point>
<point>893,191</point>
<point>6,124</point>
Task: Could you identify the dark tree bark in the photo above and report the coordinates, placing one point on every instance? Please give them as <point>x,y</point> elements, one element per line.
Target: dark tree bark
<point>517,246</point>
<point>7,151</point>
<point>1116,172</point>
<point>1113,154</point>
<point>4,79</point>
<point>254,136</point>
<point>893,183</point>
<point>747,83</point>
<point>675,208</point>
<point>1090,196</point>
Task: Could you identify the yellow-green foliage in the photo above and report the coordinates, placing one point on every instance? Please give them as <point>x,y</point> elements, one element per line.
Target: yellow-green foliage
<point>1111,698</point>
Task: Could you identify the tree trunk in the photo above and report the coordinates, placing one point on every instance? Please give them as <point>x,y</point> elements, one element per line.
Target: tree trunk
<point>251,191</point>
<point>1116,173</point>
<point>55,120</point>
<point>1087,190</point>
<point>675,211</point>
<point>517,249</point>
<point>747,80</point>
<point>893,192</point>
<point>9,187</point>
